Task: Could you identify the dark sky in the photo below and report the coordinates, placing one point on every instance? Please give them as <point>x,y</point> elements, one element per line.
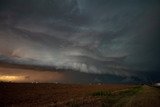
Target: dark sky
<point>107,38</point>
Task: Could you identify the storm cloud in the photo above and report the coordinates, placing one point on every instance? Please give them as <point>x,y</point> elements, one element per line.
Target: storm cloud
<point>107,37</point>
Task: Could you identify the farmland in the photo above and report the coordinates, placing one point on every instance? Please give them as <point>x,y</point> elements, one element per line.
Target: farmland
<point>71,95</point>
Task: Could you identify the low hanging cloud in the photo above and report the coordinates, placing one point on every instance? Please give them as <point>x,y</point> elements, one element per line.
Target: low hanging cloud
<point>61,54</point>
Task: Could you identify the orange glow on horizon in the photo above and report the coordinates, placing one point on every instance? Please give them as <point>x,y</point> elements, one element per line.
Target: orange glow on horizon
<point>28,75</point>
<point>7,78</point>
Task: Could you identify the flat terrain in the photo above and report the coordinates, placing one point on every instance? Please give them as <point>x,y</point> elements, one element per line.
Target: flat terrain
<point>67,95</point>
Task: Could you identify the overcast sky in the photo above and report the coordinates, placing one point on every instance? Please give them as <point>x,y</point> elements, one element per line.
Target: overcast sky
<point>98,37</point>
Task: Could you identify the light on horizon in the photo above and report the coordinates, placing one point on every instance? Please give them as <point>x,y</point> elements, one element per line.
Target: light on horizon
<point>11,78</point>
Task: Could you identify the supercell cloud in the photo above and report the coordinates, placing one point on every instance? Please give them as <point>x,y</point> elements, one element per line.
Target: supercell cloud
<point>103,37</point>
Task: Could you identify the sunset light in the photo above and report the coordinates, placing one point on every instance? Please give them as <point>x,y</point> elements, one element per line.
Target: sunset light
<point>7,78</point>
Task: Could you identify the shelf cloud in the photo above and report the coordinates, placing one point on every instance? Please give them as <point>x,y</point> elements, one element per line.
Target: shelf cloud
<point>103,37</point>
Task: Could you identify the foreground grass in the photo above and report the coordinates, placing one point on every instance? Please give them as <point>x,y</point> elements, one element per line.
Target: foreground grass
<point>117,98</point>
<point>65,95</point>
<point>50,94</point>
<point>139,96</point>
<point>107,98</point>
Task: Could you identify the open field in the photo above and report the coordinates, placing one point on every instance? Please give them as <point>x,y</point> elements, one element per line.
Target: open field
<point>74,95</point>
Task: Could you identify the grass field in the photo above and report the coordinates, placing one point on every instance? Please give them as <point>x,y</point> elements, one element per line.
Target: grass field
<point>74,95</point>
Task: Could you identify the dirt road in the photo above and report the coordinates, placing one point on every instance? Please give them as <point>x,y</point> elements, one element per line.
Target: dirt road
<point>147,97</point>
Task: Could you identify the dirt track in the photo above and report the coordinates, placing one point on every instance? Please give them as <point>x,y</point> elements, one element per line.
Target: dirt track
<point>148,97</point>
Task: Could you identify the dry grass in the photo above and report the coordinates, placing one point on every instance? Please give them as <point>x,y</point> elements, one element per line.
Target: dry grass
<point>51,94</point>
<point>67,95</point>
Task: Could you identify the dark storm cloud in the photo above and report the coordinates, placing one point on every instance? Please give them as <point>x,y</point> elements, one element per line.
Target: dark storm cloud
<point>106,36</point>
